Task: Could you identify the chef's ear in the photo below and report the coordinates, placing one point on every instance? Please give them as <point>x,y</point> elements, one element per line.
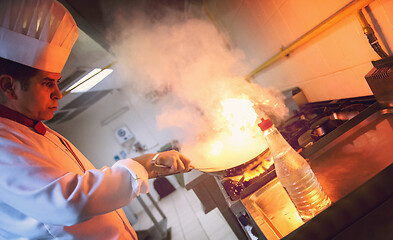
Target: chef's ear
<point>7,86</point>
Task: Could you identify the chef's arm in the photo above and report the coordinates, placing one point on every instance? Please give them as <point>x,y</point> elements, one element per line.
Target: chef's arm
<point>39,188</point>
<point>164,163</point>
<point>56,197</point>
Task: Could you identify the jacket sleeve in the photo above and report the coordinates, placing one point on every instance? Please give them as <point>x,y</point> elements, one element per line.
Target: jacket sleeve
<point>34,185</point>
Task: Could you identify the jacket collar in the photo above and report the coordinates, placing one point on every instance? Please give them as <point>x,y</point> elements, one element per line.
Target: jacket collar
<point>38,126</point>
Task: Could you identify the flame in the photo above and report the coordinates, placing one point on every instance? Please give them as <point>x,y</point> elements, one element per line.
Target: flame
<point>262,165</point>
<point>216,148</point>
<point>239,113</point>
<point>266,164</point>
<point>233,138</point>
<point>239,117</point>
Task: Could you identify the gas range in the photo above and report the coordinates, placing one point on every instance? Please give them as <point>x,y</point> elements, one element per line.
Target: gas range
<point>349,161</point>
<point>308,126</point>
<point>315,120</point>
<point>349,143</point>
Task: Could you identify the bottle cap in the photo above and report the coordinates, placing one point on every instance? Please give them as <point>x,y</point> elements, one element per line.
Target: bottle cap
<point>265,124</point>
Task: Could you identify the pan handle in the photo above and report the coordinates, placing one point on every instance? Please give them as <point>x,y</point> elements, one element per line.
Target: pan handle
<point>168,174</point>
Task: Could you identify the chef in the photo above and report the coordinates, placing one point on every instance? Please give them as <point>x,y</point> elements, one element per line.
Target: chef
<point>48,189</point>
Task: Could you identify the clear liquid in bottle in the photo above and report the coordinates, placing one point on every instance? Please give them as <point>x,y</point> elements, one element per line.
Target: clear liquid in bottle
<point>295,174</point>
<point>301,185</point>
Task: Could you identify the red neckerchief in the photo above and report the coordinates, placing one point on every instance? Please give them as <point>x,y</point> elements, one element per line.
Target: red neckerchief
<point>22,119</point>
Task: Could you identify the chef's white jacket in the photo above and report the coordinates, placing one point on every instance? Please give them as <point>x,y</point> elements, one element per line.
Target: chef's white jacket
<point>44,193</point>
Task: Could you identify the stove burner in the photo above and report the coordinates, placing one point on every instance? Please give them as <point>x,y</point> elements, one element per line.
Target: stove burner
<point>252,177</point>
<point>247,166</point>
<point>294,124</point>
<point>324,126</point>
<point>316,120</point>
<point>293,128</point>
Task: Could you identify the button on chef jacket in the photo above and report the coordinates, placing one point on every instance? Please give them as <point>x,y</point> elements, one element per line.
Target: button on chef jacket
<point>45,193</point>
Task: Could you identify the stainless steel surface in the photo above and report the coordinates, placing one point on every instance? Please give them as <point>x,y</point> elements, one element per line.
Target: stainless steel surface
<point>353,154</point>
<point>356,156</point>
<point>380,80</point>
<point>315,148</point>
<point>273,211</point>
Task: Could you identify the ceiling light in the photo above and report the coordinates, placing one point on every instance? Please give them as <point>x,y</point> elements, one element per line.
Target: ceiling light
<point>89,80</point>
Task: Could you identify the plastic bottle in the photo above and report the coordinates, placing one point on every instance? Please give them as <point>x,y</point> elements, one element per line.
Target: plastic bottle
<point>295,174</point>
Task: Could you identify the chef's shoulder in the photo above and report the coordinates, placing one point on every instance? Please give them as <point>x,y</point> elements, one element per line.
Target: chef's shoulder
<point>16,132</point>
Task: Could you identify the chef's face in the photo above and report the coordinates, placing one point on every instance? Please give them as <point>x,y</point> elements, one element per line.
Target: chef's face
<point>40,100</point>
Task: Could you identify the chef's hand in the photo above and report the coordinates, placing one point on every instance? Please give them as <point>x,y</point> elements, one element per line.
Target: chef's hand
<point>165,163</point>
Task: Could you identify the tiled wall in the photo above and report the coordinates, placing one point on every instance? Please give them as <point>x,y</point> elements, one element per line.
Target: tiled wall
<point>330,66</point>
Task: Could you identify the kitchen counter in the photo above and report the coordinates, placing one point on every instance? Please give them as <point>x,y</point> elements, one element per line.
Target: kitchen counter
<point>201,184</point>
<point>354,166</point>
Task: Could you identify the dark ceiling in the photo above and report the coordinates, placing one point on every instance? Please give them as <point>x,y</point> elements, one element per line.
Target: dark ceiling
<point>98,17</point>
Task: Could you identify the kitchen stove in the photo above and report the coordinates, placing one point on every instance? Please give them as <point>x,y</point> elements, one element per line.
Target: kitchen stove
<point>337,136</point>
<point>361,140</point>
<point>315,120</point>
<point>349,143</point>
<point>308,125</point>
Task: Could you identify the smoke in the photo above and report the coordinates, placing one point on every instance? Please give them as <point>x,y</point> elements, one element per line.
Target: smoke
<point>188,59</point>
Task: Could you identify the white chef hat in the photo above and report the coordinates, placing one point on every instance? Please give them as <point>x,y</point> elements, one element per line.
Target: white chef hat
<point>36,33</point>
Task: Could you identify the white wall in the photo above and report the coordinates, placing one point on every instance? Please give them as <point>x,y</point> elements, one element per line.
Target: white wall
<point>331,66</point>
